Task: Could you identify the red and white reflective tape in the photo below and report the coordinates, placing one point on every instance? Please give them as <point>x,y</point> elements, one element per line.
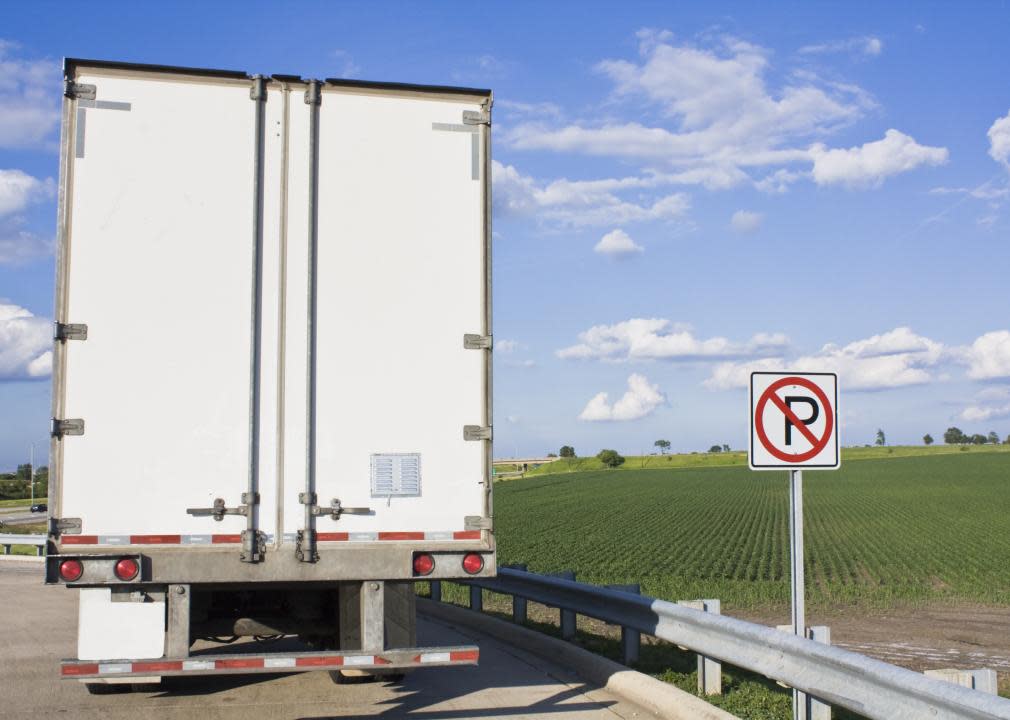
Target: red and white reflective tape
<point>269,663</point>
<point>400,536</point>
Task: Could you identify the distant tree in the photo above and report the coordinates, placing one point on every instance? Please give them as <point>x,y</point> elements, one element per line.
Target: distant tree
<point>610,458</point>
<point>24,472</point>
<point>552,455</point>
<point>927,439</point>
<point>881,439</point>
<point>954,436</point>
<point>663,446</point>
<point>994,438</point>
<point>715,448</point>
<point>567,451</point>
<point>978,439</point>
<point>1007,441</point>
<point>725,448</point>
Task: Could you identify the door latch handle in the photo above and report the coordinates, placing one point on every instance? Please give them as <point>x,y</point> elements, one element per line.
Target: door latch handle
<point>219,510</point>
<point>335,510</point>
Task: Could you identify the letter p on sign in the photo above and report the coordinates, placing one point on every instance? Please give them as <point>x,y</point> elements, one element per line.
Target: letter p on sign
<point>793,421</point>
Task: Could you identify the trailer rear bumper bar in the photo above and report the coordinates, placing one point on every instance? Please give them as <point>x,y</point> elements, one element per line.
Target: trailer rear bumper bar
<point>233,663</point>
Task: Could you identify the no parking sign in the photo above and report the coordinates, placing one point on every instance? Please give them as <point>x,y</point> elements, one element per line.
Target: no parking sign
<point>794,421</point>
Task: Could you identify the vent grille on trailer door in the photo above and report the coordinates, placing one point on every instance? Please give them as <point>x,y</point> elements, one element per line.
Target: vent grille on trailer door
<point>396,475</point>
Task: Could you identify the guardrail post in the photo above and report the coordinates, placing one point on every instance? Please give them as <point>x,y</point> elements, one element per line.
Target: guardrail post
<point>983,679</point>
<point>40,550</point>
<point>7,549</point>
<point>814,708</point>
<point>519,603</point>
<point>568,617</point>
<point>436,590</point>
<point>476,598</point>
<point>631,640</point>
<point>709,669</point>
<point>817,710</point>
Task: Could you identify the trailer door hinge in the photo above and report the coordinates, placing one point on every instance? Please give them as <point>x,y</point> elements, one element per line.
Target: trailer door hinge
<point>70,331</point>
<point>476,522</point>
<point>476,117</point>
<point>476,432</point>
<point>68,426</point>
<point>477,342</point>
<point>79,91</point>
<point>65,526</point>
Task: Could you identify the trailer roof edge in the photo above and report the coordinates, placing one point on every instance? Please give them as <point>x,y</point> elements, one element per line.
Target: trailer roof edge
<point>70,65</point>
<point>408,87</point>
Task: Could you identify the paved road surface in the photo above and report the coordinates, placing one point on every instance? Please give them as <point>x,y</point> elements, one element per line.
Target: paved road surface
<point>39,628</point>
<point>21,516</point>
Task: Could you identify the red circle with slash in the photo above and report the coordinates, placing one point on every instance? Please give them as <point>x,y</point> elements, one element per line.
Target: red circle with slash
<point>818,444</point>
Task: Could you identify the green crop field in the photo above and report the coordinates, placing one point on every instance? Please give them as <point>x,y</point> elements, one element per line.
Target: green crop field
<point>885,530</point>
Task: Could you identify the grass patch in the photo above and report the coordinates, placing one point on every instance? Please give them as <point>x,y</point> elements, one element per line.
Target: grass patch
<point>22,502</point>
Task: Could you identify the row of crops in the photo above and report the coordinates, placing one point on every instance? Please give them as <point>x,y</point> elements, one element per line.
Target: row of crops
<point>878,532</point>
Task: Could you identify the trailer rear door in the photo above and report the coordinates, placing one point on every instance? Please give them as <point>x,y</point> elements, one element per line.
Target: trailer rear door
<point>158,262</point>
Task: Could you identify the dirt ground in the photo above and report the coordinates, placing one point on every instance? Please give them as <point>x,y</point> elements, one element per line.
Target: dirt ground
<point>965,636</point>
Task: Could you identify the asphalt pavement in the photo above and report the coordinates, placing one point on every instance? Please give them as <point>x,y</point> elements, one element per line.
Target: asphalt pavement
<point>39,627</point>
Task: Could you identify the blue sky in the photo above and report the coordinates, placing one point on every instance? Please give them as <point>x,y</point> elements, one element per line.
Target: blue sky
<point>683,193</point>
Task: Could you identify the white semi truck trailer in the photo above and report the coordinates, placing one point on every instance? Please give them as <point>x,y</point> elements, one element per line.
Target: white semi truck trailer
<point>271,368</point>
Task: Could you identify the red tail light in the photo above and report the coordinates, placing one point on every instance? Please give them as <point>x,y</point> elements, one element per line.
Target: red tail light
<point>473,563</point>
<point>423,564</point>
<point>126,569</point>
<point>71,570</point>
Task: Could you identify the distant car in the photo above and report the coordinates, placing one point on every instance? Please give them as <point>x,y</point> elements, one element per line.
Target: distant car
<point>41,507</point>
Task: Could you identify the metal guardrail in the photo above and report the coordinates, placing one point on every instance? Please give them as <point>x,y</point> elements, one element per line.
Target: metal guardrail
<point>39,541</point>
<point>834,676</point>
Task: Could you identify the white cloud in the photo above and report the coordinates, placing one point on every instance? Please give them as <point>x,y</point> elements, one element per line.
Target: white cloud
<point>568,203</point>
<point>29,97</point>
<point>641,399</point>
<point>865,45</point>
<point>18,189</point>
<point>981,413</point>
<point>989,356</point>
<point>721,122</point>
<point>659,339</point>
<point>541,109</point>
<point>19,246</point>
<point>999,140</point>
<point>25,344</point>
<point>869,164</point>
<point>348,68</point>
<point>506,346</point>
<point>617,243</point>
<point>745,221</point>
<point>892,359</point>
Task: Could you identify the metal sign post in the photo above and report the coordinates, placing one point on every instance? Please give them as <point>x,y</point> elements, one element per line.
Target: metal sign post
<point>794,425</point>
<point>797,585</point>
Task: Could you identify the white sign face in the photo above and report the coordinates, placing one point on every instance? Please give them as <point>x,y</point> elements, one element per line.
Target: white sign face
<point>793,421</point>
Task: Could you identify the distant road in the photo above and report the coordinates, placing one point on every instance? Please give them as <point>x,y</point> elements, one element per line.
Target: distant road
<point>509,683</point>
<point>22,517</point>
